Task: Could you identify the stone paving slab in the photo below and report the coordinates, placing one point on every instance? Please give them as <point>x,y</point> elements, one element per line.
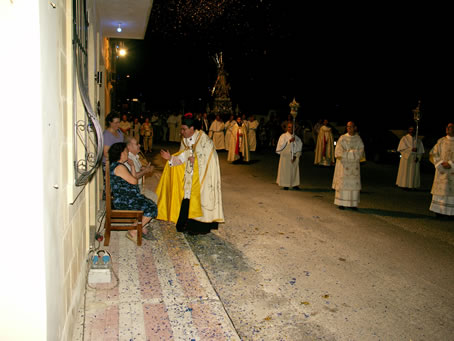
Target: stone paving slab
<point>159,291</point>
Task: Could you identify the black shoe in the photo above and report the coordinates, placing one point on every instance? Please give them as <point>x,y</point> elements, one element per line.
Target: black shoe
<point>285,188</point>
<point>341,207</point>
<point>296,188</point>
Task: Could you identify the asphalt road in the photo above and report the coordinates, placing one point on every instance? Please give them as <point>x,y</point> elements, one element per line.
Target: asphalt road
<point>288,265</point>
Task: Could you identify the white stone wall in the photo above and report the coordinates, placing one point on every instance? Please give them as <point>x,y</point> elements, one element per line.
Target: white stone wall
<point>46,218</point>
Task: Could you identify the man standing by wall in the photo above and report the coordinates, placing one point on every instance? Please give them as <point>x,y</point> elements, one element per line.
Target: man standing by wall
<point>347,180</point>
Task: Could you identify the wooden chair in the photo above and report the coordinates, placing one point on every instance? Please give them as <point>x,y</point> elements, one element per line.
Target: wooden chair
<point>120,219</point>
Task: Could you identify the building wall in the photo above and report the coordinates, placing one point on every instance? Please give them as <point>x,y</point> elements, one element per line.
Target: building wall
<point>47,220</point>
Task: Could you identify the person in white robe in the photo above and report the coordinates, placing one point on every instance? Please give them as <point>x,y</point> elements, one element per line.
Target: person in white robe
<point>178,119</point>
<point>172,124</point>
<point>289,147</point>
<point>217,133</point>
<point>411,152</point>
<point>324,150</point>
<point>189,191</point>
<point>349,152</point>
<point>228,126</point>
<point>253,124</point>
<point>442,156</point>
<point>238,144</point>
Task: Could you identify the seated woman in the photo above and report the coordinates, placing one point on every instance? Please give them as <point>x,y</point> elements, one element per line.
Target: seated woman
<point>125,189</point>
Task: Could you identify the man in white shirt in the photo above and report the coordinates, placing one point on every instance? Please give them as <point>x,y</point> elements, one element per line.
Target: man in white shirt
<point>289,147</point>
<point>134,149</point>
<point>442,156</point>
<point>347,181</point>
<point>411,151</point>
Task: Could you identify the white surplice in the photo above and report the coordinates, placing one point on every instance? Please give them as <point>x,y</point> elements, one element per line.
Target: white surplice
<point>252,135</point>
<point>172,123</point>
<point>288,173</point>
<point>408,175</point>
<point>347,180</point>
<point>217,134</point>
<point>443,185</point>
<point>228,126</point>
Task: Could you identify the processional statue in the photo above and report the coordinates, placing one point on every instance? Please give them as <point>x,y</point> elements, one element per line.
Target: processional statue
<point>222,104</point>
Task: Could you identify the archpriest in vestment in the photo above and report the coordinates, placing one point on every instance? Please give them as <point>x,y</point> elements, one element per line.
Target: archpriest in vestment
<point>442,156</point>
<point>324,150</point>
<point>347,180</point>
<point>238,144</point>
<point>189,192</point>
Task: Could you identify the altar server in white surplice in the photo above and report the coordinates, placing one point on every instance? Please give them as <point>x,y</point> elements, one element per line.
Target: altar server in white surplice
<point>347,181</point>
<point>178,119</point>
<point>411,153</point>
<point>289,147</point>
<point>228,126</point>
<point>442,156</point>
<point>253,124</point>
<point>216,133</point>
<point>172,124</point>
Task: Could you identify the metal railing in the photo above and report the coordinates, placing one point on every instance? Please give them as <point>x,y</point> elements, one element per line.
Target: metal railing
<point>88,136</point>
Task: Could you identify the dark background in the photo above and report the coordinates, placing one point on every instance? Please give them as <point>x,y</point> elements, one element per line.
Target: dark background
<point>370,64</point>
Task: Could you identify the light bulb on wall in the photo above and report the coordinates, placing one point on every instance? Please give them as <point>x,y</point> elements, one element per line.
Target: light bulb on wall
<point>119,28</point>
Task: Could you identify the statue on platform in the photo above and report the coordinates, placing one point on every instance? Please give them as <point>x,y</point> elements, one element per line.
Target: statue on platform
<point>222,104</point>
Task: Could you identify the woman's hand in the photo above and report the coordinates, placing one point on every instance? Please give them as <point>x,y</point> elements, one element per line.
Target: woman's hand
<point>165,154</point>
<point>191,159</point>
<point>131,163</point>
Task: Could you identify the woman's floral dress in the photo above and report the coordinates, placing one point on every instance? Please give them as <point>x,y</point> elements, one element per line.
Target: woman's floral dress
<point>128,197</point>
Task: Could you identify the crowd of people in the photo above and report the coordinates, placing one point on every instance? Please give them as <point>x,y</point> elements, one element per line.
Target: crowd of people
<point>189,192</point>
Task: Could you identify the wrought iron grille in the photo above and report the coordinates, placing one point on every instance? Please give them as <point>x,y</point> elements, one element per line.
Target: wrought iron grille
<point>88,138</point>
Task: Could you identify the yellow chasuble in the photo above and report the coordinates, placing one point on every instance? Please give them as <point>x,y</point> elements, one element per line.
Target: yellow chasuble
<point>170,192</point>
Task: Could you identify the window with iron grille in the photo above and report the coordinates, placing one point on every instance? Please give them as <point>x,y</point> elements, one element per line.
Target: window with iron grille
<point>88,138</point>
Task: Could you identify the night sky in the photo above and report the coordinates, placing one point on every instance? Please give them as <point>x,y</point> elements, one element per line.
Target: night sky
<point>364,63</point>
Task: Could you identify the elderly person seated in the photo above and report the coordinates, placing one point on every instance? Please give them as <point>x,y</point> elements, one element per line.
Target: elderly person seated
<point>125,189</point>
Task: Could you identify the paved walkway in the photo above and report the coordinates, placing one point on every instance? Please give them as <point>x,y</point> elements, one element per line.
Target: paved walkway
<point>159,291</point>
<point>162,293</point>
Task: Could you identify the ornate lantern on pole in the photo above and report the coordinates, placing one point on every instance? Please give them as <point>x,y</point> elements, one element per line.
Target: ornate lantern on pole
<point>417,117</point>
<point>294,105</point>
